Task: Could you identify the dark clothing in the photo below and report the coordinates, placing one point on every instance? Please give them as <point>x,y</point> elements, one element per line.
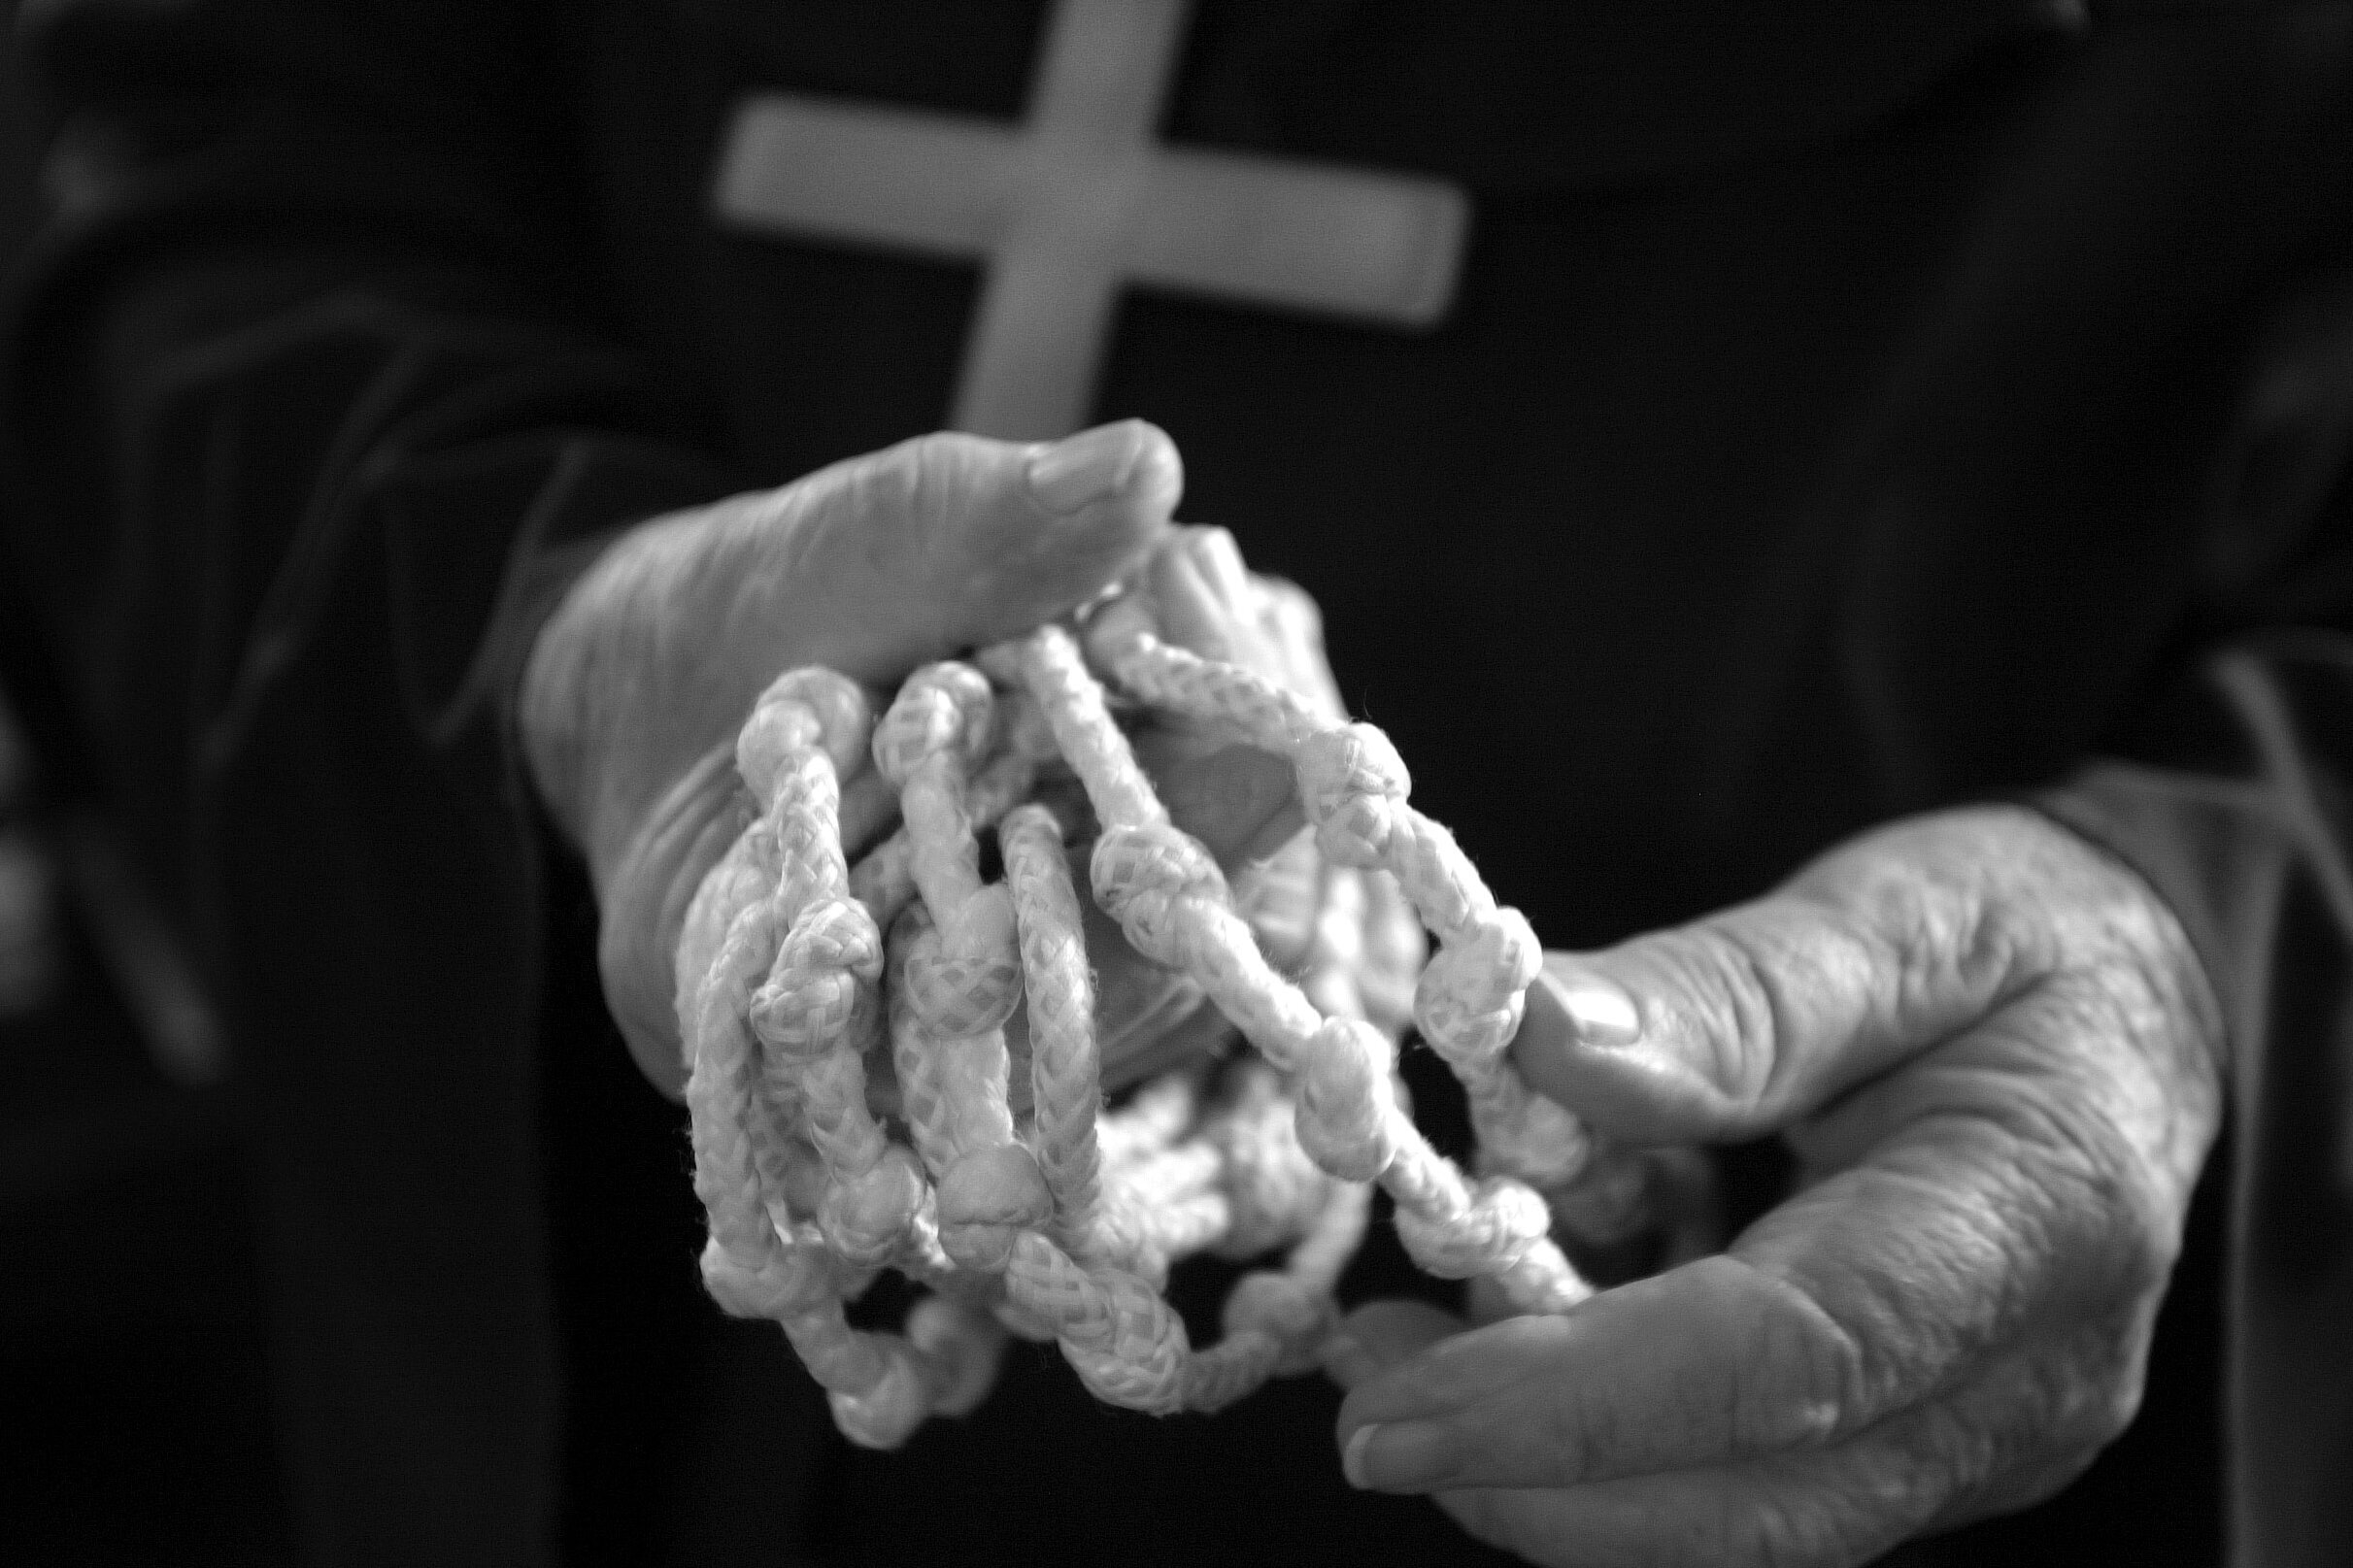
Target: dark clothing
<point>1846,411</point>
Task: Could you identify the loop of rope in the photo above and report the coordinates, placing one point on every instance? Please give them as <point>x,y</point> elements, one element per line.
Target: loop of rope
<point>1063,1224</point>
<point>1469,1001</point>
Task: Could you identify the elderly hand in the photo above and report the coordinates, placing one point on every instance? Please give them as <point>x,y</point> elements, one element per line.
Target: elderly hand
<point>638,682</point>
<point>1998,1060</point>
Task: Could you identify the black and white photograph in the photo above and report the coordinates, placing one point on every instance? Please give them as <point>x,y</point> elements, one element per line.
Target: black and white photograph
<point>1101,784</point>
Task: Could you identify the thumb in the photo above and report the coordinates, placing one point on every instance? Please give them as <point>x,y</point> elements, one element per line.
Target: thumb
<point>948,541</point>
<point>1738,1024</point>
<point>871,566</point>
<point>1370,1342</point>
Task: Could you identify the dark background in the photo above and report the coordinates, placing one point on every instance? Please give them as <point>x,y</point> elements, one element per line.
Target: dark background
<point>134,1403</point>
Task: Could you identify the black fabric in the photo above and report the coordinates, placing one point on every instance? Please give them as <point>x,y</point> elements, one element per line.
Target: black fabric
<point>2257,856</point>
<point>320,431</point>
<point>1846,411</point>
<point>298,674</point>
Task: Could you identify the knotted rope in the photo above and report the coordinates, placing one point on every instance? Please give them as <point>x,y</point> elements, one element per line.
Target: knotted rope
<point>1063,1223</point>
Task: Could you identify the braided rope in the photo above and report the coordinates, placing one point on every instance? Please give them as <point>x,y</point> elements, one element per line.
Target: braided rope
<point>1065,1079</point>
<point>1168,894</point>
<point>1063,1224</point>
<point>1469,999</point>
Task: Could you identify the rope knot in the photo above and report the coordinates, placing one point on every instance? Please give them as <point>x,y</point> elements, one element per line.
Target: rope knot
<point>987,1200</point>
<point>964,1344</point>
<point>865,1218</point>
<point>1143,875</point>
<point>1345,763</point>
<point>1540,1142</point>
<point>813,993</point>
<point>1469,1001</point>
<point>964,977</point>
<point>811,708</point>
<point>1359,830</point>
<point>886,1414</point>
<point>794,1280</point>
<point>943,707</point>
<point>1505,1218</point>
<point>1496,960</point>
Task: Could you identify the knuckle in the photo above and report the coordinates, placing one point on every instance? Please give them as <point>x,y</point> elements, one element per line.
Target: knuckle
<point>1940,941</point>
<point>2103,1223</point>
<point>1775,985</point>
<point>2106,1150</point>
<point>1975,949</point>
<point>1946,904</point>
<point>1719,994</point>
<point>904,481</point>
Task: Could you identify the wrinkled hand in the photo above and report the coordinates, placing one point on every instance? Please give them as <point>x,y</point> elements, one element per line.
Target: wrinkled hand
<point>1997,1061</point>
<point>638,682</point>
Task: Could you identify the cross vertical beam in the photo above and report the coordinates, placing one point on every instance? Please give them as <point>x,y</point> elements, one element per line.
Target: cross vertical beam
<point>1079,202</point>
<point>1046,307</point>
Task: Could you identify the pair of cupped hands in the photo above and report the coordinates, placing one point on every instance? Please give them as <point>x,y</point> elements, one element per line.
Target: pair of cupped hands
<point>1988,1043</point>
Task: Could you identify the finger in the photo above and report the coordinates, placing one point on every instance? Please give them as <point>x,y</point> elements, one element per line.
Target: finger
<point>1707,1363</point>
<point>1219,560</point>
<point>1294,626</point>
<point>1242,802</point>
<point>1735,1025</point>
<point>2007,1439</point>
<point>2036,1167</point>
<point>645,900</point>
<point>1996,1205</point>
<point>1194,585</point>
<point>647,946</point>
<point>949,540</point>
<point>1085,513</point>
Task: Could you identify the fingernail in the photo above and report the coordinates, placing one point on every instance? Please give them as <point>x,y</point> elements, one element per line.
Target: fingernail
<point>1083,467</point>
<point>1352,1457</point>
<point>1215,552</point>
<point>1397,1456</point>
<point>1347,1362</point>
<point>1602,1015</point>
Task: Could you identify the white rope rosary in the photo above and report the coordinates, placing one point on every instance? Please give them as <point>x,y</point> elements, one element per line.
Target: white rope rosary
<point>1063,1223</point>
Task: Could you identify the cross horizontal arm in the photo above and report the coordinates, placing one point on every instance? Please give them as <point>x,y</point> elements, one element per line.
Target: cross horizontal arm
<point>1268,232</point>
<point>935,183</point>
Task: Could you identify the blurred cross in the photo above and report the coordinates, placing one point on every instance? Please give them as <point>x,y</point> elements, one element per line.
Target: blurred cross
<point>1080,200</point>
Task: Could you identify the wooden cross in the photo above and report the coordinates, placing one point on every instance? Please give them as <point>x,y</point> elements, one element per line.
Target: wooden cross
<point>1067,208</point>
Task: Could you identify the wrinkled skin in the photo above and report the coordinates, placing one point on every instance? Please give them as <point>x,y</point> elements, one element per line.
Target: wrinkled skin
<point>639,681</point>
<point>1995,1056</point>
